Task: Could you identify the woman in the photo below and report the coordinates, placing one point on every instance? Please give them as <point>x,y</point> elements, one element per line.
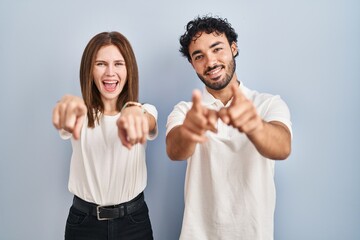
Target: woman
<point>108,130</point>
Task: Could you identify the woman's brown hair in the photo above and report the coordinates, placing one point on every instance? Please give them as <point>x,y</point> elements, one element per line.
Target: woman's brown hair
<point>90,93</point>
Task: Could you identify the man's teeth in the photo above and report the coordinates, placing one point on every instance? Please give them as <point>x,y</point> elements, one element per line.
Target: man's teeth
<point>215,71</point>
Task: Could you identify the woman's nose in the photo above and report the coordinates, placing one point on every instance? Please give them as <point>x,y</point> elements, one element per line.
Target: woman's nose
<point>109,71</point>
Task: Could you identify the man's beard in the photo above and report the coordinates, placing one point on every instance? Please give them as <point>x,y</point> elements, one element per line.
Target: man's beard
<point>221,84</point>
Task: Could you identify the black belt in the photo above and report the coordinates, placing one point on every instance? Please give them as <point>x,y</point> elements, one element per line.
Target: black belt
<point>109,212</point>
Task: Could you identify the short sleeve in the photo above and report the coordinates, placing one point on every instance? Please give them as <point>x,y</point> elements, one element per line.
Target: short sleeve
<point>277,110</point>
<point>152,111</point>
<point>177,116</point>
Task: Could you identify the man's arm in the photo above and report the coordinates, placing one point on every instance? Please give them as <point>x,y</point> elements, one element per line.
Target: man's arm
<point>181,140</point>
<point>271,139</point>
<point>179,145</point>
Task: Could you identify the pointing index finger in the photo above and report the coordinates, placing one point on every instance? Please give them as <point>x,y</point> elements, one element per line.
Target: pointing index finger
<point>196,99</point>
<point>237,94</point>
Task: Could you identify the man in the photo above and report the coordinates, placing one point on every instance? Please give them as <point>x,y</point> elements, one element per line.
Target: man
<point>230,136</point>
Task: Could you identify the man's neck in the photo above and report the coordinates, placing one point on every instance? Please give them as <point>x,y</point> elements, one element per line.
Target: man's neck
<point>225,94</point>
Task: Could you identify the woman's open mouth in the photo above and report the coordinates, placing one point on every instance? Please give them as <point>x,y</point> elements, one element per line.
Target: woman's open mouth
<point>110,85</point>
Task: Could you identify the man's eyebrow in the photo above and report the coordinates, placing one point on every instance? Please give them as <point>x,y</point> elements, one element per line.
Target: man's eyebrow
<point>211,46</point>
<point>215,44</point>
<point>195,52</point>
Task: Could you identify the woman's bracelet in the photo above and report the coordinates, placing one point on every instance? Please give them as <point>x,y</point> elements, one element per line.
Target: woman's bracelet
<point>132,104</point>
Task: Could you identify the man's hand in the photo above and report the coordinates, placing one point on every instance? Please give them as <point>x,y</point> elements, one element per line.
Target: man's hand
<point>133,126</point>
<point>68,114</point>
<point>241,113</point>
<point>198,120</point>
<point>182,140</point>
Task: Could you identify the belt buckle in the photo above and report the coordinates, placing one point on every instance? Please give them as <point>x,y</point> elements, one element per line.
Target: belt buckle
<point>121,213</point>
<point>98,214</point>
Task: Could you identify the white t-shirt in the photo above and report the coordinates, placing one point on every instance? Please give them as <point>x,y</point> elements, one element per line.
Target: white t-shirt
<point>102,170</point>
<point>229,186</point>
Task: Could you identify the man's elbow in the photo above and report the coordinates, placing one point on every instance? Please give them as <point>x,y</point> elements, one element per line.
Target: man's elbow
<point>173,156</point>
<point>171,151</point>
<point>283,154</point>
<point>170,154</point>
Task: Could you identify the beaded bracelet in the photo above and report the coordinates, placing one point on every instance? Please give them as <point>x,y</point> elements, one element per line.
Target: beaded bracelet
<point>131,104</point>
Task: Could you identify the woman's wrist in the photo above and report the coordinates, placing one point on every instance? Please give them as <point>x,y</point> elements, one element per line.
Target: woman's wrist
<point>133,104</point>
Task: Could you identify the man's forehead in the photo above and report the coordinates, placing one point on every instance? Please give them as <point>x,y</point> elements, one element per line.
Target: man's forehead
<point>199,34</point>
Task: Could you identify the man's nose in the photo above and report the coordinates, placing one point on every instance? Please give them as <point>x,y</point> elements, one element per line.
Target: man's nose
<point>211,60</point>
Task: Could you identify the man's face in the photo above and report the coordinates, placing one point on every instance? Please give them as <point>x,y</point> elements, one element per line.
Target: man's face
<point>213,59</point>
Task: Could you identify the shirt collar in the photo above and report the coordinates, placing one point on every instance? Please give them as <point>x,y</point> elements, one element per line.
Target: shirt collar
<point>210,100</point>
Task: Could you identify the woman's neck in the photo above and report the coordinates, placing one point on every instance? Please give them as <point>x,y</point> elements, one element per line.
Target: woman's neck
<point>110,108</point>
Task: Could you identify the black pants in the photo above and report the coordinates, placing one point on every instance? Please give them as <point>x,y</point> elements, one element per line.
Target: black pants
<point>134,226</point>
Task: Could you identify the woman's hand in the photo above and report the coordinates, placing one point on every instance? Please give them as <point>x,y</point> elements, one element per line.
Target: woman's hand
<point>133,126</point>
<point>68,114</point>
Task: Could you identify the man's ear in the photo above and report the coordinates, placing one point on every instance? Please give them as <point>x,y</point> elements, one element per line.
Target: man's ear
<point>190,61</point>
<point>234,49</point>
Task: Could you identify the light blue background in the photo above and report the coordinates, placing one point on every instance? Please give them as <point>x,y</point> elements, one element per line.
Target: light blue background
<point>306,51</point>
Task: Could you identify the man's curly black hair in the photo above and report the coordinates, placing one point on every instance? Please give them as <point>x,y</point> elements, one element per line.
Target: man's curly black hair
<point>208,25</point>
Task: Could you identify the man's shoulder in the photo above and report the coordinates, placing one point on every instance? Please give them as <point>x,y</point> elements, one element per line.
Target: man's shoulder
<point>255,95</point>
<point>184,105</point>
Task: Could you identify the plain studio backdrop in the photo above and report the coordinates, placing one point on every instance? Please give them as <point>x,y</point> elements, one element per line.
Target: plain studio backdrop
<point>308,52</point>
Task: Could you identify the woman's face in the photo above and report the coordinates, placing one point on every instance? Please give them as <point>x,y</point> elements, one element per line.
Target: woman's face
<point>109,73</point>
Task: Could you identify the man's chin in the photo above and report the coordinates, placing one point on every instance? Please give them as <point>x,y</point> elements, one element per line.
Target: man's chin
<point>216,86</point>
<point>218,83</point>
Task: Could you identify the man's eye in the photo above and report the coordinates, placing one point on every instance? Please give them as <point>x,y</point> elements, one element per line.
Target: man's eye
<point>198,57</point>
<point>217,49</point>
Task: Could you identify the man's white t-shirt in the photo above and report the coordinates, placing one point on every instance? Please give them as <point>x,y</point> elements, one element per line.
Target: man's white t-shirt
<point>229,186</point>
<point>102,170</point>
